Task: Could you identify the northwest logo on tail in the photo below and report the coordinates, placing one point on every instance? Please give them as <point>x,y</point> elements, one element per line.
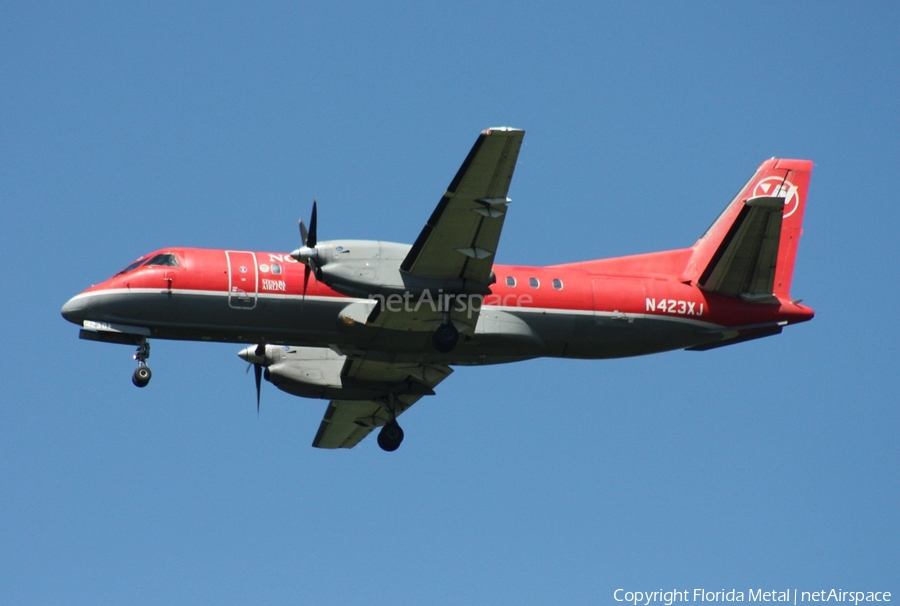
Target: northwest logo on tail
<point>779,187</point>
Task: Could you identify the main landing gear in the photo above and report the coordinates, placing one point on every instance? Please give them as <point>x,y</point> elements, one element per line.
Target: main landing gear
<point>142,373</point>
<point>390,436</point>
<point>445,337</point>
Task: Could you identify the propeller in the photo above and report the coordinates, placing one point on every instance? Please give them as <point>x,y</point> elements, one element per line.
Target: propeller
<point>257,357</point>
<point>308,254</point>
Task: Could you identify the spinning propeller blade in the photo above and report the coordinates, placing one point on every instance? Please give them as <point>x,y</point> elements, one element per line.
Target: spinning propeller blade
<point>257,372</point>
<point>306,272</point>
<point>304,234</point>
<point>308,239</point>
<point>311,236</point>
<point>257,359</point>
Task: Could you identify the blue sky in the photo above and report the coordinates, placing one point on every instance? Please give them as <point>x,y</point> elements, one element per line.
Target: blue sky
<point>771,464</point>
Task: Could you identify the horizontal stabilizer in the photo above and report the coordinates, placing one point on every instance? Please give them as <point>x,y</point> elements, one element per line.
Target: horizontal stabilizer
<point>744,264</point>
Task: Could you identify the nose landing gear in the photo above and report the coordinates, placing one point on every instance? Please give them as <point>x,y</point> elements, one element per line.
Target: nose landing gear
<point>142,373</point>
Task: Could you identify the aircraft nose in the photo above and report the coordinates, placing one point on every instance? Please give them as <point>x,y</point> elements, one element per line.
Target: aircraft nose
<point>74,309</point>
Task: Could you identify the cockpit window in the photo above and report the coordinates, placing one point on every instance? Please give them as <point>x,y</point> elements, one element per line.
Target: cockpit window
<point>164,259</point>
<point>134,265</point>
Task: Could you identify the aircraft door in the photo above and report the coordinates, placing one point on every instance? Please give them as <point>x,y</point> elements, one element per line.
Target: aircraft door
<point>243,279</point>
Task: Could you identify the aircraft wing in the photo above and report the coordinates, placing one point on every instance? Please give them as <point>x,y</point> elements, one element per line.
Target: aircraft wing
<point>347,422</point>
<point>460,239</point>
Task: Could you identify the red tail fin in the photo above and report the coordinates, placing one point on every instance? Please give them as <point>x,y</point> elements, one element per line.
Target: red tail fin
<point>750,249</point>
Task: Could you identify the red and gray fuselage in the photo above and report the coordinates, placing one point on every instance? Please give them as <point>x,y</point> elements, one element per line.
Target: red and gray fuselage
<point>594,309</point>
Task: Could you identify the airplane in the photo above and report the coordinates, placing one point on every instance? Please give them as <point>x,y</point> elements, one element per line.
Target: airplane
<point>373,326</point>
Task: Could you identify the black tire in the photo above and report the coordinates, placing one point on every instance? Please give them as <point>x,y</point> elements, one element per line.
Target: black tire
<point>390,437</point>
<point>141,376</point>
<point>445,338</point>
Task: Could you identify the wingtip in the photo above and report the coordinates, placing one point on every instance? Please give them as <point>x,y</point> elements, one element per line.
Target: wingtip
<point>501,129</point>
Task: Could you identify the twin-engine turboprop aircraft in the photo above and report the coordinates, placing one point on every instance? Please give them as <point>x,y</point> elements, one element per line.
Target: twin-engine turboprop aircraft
<point>374,326</point>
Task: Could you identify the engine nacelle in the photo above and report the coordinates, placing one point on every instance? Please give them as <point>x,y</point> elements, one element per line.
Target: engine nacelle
<point>364,268</point>
<point>312,372</point>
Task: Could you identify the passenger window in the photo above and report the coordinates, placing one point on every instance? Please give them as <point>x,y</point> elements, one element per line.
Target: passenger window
<point>534,283</point>
<point>557,283</point>
<point>510,281</point>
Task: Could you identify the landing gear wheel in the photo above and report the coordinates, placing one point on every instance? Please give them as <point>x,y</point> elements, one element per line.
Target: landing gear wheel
<point>390,436</point>
<point>141,376</point>
<point>142,373</point>
<point>445,338</point>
